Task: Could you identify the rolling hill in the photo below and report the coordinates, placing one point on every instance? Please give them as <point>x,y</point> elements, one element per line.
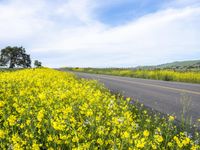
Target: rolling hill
<point>177,65</point>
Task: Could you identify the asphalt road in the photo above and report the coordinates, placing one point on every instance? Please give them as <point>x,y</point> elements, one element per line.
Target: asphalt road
<point>163,96</point>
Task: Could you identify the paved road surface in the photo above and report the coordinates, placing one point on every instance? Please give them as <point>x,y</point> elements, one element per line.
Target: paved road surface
<point>162,96</point>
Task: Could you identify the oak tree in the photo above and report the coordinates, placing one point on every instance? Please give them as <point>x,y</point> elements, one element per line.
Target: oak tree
<point>15,57</point>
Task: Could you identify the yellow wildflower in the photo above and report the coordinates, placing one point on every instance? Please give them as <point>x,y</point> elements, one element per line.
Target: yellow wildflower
<point>75,139</point>
<point>2,104</point>
<point>49,138</point>
<point>35,146</point>
<point>146,133</point>
<point>169,144</point>
<point>17,146</point>
<point>154,146</point>
<point>171,118</point>
<point>186,141</point>
<point>100,141</point>
<point>158,138</point>
<point>125,134</point>
<point>2,134</point>
<point>89,113</point>
<point>12,120</point>
<point>28,122</point>
<point>141,143</point>
<point>40,115</point>
<point>42,96</point>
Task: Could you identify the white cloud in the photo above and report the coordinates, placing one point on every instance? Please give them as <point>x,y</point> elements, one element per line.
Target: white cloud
<point>78,9</point>
<point>21,20</point>
<point>166,35</point>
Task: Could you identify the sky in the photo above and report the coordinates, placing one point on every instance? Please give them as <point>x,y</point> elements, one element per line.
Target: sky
<point>102,33</point>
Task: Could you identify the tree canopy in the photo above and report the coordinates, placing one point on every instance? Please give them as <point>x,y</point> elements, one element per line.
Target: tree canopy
<point>15,57</point>
<point>37,64</point>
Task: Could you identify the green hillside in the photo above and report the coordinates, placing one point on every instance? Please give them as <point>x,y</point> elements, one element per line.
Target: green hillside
<point>194,63</point>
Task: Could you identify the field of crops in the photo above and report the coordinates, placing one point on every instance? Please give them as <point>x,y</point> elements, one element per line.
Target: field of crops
<point>48,109</point>
<point>166,75</point>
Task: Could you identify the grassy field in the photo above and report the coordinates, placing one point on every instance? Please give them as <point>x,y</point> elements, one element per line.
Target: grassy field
<point>48,109</point>
<point>166,75</point>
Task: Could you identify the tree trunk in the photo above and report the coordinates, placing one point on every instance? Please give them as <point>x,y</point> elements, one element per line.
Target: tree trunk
<point>12,65</point>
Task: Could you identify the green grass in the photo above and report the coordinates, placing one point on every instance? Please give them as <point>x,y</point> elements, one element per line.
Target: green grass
<point>180,64</point>
<point>166,75</point>
<point>190,65</point>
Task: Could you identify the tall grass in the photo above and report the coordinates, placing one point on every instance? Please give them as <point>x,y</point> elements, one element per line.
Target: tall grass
<point>166,75</point>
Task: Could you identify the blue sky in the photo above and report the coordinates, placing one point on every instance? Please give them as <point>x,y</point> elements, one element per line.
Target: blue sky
<point>102,33</point>
<point>126,10</point>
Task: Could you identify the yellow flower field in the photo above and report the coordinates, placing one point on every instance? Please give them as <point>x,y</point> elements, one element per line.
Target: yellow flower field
<point>48,109</point>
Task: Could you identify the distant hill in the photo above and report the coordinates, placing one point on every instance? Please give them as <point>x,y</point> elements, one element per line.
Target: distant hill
<point>177,65</point>
<point>180,64</point>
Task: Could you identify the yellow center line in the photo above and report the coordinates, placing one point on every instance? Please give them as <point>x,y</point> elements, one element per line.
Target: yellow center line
<point>153,85</point>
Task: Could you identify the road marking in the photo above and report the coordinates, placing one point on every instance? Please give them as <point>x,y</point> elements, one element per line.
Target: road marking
<point>153,85</point>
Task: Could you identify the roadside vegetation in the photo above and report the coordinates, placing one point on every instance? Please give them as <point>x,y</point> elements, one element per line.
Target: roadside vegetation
<point>47,109</point>
<point>157,74</point>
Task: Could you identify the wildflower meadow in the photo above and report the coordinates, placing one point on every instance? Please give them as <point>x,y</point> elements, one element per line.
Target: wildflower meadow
<point>45,109</point>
